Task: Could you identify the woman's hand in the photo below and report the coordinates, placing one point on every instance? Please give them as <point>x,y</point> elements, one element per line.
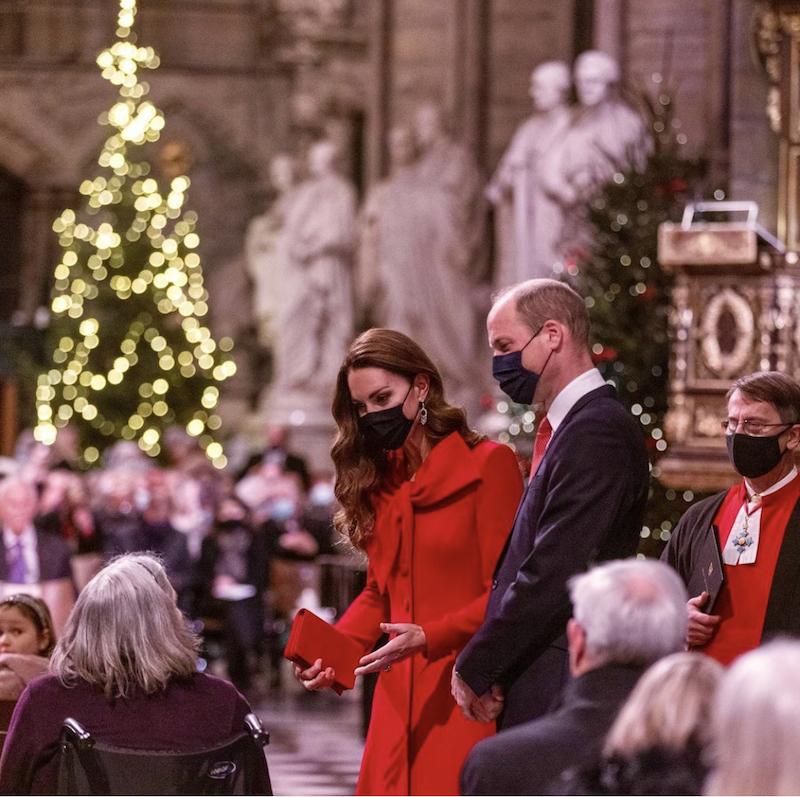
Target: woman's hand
<point>408,639</point>
<point>315,677</point>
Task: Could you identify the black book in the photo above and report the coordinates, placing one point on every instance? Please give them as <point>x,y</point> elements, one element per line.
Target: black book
<point>709,575</point>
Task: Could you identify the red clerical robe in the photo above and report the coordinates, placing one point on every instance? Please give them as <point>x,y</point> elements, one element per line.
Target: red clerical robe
<point>431,558</point>
<point>742,602</point>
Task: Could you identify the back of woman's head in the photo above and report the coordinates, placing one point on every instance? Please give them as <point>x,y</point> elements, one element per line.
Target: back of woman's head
<point>756,731</point>
<point>126,633</point>
<point>359,466</point>
<point>668,708</point>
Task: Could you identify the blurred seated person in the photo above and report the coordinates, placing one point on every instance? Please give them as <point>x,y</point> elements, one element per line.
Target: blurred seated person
<point>277,451</point>
<point>233,578</point>
<point>64,511</point>
<point>158,535</point>
<point>33,561</point>
<point>122,495</point>
<point>126,669</point>
<point>27,639</point>
<point>192,509</point>
<point>659,742</point>
<point>627,614</point>
<point>32,457</point>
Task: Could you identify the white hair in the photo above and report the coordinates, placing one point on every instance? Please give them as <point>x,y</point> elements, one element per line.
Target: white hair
<point>632,610</point>
<point>126,632</point>
<point>755,724</point>
<point>668,708</point>
<point>601,64</point>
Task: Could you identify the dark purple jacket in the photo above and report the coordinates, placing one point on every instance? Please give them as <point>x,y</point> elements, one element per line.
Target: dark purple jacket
<point>199,712</point>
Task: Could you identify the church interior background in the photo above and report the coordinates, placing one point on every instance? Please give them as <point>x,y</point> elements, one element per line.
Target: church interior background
<point>366,162</point>
<point>247,88</point>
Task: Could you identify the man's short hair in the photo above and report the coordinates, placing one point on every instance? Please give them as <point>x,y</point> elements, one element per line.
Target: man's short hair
<point>540,300</point>
<point>632,610</point>
<point>772,387</point>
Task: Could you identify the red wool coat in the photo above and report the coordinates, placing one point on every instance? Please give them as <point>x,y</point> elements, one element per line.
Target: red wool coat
<point>431,558</point>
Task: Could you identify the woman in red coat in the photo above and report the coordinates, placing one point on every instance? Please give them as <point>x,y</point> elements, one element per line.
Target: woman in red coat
<point>431,502</point>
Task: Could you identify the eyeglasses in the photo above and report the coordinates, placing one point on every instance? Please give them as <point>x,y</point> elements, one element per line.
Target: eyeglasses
<point>750,426</point>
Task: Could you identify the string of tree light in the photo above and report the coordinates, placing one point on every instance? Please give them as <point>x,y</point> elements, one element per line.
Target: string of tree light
<point>131,352</point>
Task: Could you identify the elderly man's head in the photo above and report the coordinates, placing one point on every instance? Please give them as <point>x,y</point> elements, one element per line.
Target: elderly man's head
<point>763,425</point>
<point>631,611</point>
<point>19,504</point>
<point>595,73</point>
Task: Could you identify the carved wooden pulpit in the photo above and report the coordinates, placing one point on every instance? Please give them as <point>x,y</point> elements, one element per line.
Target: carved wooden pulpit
<point>733,312</point>
<point>735,302</point>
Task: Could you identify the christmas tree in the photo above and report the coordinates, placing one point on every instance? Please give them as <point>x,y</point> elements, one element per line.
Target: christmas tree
<point>628,293</point>
<point>131,353</point>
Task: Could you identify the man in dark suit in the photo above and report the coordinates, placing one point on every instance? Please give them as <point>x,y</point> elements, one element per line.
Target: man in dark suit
<point>584,502</point>
<point>33,561</point>
<point>626,615</point>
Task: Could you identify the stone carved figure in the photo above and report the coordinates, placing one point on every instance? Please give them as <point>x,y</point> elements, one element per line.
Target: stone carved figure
<point>606,134</point>
<point>449,169</point>
<point>316,317</point>
<point>266,252</point>
<point>528,219</point>
<point>415,278</point>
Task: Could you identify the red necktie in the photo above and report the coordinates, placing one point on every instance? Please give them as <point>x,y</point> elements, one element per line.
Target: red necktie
<point>543,435</point>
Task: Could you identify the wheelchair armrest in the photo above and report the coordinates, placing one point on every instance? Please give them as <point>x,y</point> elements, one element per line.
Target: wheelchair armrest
<point>74,733</point>
<point>256,730</point>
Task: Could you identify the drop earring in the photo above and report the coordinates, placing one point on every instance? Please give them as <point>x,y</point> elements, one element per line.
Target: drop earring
<point>423,413</point>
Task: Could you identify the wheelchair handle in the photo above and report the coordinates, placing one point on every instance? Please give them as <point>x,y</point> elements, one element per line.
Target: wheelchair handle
<point>77,735</point>
<point>256,730</point>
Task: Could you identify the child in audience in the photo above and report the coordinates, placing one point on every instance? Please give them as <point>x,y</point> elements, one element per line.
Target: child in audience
<point>27,639</point>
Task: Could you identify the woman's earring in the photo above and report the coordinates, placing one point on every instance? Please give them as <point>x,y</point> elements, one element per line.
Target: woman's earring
<point>423,413</point>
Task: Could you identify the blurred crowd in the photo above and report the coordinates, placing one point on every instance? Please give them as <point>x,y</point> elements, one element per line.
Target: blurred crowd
<point>229,540</point>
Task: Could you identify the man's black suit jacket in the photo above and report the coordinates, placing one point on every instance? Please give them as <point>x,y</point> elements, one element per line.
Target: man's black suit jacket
<point>54,557</point>
<point>585,504</point>
<point>529,758</point>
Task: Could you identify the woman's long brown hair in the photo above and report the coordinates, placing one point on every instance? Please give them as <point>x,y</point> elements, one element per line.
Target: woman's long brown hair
<point>361,469</point>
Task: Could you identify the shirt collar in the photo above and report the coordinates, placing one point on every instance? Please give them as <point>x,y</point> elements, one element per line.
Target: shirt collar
<point>569,396</point>
<point>775,487</point>
<point>27,538</point>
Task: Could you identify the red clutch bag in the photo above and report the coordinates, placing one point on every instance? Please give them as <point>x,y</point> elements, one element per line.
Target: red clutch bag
<point>311,638</point>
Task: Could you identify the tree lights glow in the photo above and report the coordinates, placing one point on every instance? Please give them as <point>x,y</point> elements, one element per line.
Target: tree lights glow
<point>131,351</point>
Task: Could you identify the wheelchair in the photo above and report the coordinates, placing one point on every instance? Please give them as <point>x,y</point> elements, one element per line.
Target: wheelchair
<point>237,766</point>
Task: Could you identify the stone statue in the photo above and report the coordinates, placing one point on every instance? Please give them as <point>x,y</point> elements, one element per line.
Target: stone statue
<point>447,168</point>
<point>265,250</point>
<point>315,320</point>
<point>413,282</point>
<point>605,135</point>
<point>528,220</point>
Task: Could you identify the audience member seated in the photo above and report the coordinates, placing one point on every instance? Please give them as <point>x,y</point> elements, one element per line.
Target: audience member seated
<point>27,639</point>
<point>159,536</point>
<point>233,578</point>
<point>755,725</point>
<point>126,669</point>
<point>626,615</point>
<point>33,561</point>
<point>122,495</point>
<point>64,511</point>
<point>658,743</point>
<point>277,452</point>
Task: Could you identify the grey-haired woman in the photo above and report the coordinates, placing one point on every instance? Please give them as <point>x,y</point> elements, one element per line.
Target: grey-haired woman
<point>126,669</point>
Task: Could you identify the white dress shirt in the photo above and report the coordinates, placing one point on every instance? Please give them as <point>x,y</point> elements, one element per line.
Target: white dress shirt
<point>30,551</point>
<point>741,547</point>
<point>572,393</point>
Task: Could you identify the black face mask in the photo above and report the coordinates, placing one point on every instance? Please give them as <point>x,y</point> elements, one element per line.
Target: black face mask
<point>754,456</point>
<point>515,380</point>
<point>387,429</point>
